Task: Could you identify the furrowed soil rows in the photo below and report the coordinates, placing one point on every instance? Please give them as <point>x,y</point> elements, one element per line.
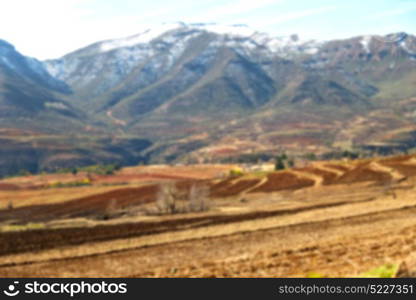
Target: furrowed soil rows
<point>334,258</point>
<point>322,247</point>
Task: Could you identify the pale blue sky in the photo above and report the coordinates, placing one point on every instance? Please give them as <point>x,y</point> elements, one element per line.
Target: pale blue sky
<point>52,28</point>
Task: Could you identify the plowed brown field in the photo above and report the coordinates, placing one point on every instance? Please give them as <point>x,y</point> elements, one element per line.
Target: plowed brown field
<point>359,217</point>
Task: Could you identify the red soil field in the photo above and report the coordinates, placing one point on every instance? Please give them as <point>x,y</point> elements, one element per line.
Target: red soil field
<point>8,187</point>
<point>222,184</point>
<point>337,167</point>
<point>283,181</point>
<point>401,158</point>
<point>406,170</point>
<point>234,189</point>
<point>363,173</point>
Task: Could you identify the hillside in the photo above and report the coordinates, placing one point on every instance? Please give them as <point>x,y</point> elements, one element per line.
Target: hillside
<point>179,82</point>
<point>30,97</point>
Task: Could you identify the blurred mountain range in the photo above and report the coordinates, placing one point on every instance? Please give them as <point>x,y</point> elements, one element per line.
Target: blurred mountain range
<point>206,92</point>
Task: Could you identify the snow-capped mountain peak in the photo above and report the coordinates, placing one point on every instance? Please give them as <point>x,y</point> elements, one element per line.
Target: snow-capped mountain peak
<point>160,48</point>
<point>229,35</point>
<point>149,34</point>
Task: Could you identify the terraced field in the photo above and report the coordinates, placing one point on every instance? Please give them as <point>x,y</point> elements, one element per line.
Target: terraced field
<point>331,218</point>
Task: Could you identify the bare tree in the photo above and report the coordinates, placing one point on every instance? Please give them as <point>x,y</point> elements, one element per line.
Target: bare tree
<point>199,197</point>
<point>110,209</point>
<point>170,199</point>
<point>166,198</point>
<point>388,189</point>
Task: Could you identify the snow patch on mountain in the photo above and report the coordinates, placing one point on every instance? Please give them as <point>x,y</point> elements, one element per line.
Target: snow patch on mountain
<point>365,42</point>
<point>230,30</point>
<point>37,67</point>
<point>404,46</point>
<point>143,37</point>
